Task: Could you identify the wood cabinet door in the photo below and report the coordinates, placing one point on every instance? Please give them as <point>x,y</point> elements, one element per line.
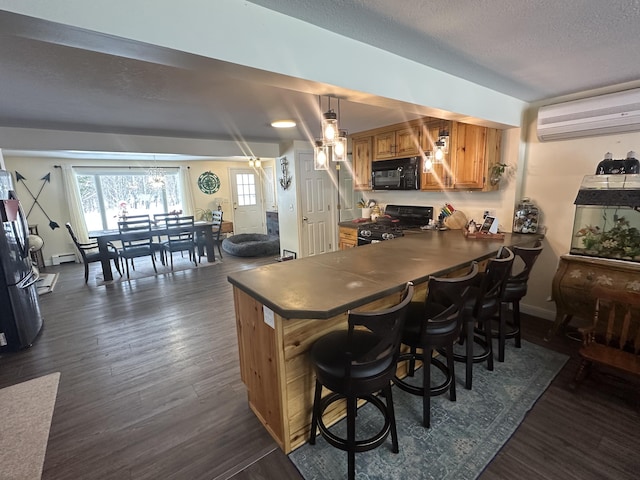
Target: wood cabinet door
<point>384,145</point>
<point>407,143</point>
<point>361,148</point>
<point>468,161</point>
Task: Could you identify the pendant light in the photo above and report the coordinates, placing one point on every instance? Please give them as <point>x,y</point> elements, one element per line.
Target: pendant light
<point>339,149</point>
<point>320,156</point>
<point>427,164</point>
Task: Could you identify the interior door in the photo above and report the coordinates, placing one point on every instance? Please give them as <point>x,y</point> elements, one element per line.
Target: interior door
<point>317,194</point>
<point>248,212</point>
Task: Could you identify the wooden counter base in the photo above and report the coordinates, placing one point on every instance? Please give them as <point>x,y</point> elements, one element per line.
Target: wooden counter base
<point>276,370</point>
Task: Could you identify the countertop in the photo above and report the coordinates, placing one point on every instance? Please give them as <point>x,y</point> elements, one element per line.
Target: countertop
<point>326,285</point>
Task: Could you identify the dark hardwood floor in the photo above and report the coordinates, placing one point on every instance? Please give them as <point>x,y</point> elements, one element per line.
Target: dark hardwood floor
<point>150,389</point>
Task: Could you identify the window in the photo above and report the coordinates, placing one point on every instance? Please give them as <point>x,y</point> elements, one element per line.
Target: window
<point>106,195</point>
<point>246,183</point>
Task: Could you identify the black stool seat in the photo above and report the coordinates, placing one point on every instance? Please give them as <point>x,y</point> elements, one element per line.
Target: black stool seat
<point>483,304</point>
<point>357,364</point>
<point>430,325</point>
<point>514,290</point>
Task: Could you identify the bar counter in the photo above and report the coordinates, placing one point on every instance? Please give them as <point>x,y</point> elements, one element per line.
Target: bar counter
<point>281,309</point>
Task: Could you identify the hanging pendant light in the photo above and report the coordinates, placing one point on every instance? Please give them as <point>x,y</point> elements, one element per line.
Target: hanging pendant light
<point>339,150</point>
<point>155,176</point>
<point>439,154</point>
<point>330,129</point>
<point>427,164</point>
<point>320,156</point>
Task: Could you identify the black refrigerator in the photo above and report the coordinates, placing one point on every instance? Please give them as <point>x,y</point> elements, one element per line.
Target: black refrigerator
<point>20,317</point>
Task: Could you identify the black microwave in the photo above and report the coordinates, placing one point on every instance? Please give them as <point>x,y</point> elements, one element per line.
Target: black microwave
<point>399,174</point>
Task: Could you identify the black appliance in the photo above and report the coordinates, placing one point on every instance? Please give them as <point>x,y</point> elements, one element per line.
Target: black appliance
<point>409,216</point>
<point>399,174</point>
<point>396,219</point>
<point>20,317</point>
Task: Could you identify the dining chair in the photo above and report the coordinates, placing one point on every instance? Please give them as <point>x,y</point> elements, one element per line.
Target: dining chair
<point>140,245</point>
<point>180,238</point>
<point>216,220</point>
<point>90,254</point>
<point>156,246</point>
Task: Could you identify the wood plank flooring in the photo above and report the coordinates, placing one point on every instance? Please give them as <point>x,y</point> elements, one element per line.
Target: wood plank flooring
<point>150,389</point>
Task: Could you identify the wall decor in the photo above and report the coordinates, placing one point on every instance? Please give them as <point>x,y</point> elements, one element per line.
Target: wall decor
<point>46,179</point>
<point>209,183</point>
<point>285,181</point>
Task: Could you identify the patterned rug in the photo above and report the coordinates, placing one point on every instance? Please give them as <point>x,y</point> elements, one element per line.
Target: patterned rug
<point>464,435</point>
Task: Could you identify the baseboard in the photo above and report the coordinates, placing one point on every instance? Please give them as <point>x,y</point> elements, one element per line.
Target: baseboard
<point>538,312</point>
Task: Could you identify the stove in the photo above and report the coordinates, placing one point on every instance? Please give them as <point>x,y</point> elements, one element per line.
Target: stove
<point>396,219</point>
<point>377,232</point>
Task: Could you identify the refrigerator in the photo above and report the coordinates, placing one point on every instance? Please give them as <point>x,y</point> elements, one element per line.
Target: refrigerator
<point>20,316</point>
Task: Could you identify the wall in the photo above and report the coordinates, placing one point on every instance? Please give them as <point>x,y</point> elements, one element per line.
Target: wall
<point>53,200</point>
<point>552,176</point>
<point>288,200</point>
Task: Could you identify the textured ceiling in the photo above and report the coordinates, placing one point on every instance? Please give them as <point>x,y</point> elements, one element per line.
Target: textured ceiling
<point>529,50</point>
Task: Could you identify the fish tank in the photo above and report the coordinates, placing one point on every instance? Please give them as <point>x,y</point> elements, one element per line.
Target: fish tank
<point>607,218</point>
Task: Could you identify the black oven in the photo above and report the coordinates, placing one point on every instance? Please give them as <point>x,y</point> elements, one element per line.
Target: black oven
<point>399,174</point>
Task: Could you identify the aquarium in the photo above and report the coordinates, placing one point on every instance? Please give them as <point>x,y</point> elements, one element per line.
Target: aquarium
<point>607,219</point>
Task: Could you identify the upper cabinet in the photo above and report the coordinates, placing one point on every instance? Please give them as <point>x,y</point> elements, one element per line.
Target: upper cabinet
<point>467,159</point>
<point>471,152</point>
<point>397,143</point>
<point>361,148</point>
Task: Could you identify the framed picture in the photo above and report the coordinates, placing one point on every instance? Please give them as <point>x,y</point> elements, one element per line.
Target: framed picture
<point>490,225</point>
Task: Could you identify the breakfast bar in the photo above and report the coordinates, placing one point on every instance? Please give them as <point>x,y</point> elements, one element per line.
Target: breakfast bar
<point>282,308</point>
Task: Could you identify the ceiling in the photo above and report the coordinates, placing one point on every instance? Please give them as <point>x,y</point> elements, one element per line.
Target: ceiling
<point>528,50</point>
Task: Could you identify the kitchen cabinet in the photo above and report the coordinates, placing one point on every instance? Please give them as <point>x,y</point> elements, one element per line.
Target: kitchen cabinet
<point>472,151</point>
<point>347,237</point>
<point>397,143</point>
<point>361,148</point>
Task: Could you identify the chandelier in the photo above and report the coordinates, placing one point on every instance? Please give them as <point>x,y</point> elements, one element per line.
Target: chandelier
<point>333,144</point>
<point>156,177</point>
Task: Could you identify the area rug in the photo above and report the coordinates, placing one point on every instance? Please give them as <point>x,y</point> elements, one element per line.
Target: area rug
<point>464,435</point>
<point>26,410</point>
<point>144,268</point>
<point>46,283</point>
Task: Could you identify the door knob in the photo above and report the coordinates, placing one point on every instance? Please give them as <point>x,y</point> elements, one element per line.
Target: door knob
<point>304,219</point>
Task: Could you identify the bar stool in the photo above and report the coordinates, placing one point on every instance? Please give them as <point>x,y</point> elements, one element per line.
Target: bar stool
<point>431,325</point>
<point>357,363</point>
<point>514,290</point>
<point>482,306</point>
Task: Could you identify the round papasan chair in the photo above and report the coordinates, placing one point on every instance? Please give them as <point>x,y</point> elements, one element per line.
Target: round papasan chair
<point>251,245</point>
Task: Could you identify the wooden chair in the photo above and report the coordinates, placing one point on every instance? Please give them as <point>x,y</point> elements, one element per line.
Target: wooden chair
<point>613,339</point>
<point>141,246</point>
<point>181,238</point>
<point>90,254</point>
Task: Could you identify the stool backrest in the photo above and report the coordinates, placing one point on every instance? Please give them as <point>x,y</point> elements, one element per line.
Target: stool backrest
<point>528,257</point>
<point>386,325</point>
<point>494,280</point>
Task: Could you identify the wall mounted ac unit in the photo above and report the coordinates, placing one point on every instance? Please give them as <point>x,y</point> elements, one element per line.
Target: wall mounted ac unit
<point>601,115</point>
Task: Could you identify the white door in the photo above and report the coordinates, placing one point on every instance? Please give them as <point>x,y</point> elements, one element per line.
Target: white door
<point>269,189</point>
<point>246,190</point>
<point>316,207</point>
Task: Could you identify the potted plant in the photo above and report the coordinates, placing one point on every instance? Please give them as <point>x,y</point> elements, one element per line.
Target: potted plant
<point>496,172</point>
<point>204,214</point>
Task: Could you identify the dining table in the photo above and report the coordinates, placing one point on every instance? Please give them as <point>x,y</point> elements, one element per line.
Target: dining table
<point>201,229</point>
